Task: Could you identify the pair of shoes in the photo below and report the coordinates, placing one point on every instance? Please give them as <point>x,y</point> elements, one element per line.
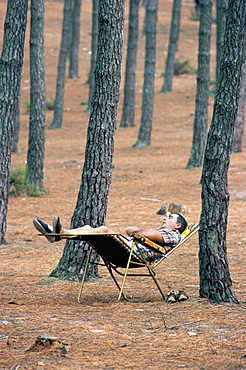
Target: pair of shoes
<point>57,228</point>
<point>178,296</point>
<point>44,229</point>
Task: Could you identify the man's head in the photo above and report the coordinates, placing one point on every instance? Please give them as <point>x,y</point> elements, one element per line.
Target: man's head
<point>174,221</point>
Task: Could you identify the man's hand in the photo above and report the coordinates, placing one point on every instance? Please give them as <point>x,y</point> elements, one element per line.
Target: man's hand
<point>153,235</point>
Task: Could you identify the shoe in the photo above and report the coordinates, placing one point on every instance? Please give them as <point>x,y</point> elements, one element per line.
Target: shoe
<point>57,228</point>
<point>171,297</point>
<point>181,295</point>
<point>44,229</point>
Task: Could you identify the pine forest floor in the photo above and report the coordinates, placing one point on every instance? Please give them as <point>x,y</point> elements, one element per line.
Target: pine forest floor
<point>100,333</point>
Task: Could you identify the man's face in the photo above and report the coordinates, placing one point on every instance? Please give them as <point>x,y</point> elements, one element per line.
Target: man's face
<point>170,221</point>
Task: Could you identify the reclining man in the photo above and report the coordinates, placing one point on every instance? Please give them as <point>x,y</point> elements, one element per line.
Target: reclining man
<point>167,235</point>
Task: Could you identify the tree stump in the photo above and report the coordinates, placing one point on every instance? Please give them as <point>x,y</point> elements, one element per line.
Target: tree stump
<point>171,207</point>
<point>48,343</point>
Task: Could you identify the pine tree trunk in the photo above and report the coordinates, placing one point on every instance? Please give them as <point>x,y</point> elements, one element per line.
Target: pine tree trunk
<point>221,6</point>
<point>75,38</point>
<point>35,155</point>
<point>16,129</point>
<point>239,127</point>
<point>144,136</point>
<point>92,200</point>
<point>94,39</point>
<point>172,47</point>
<point>60,82</point>
<point>10,75</point>
<point>215,281</point>
<point>128,113</point>
<point>202,92</point>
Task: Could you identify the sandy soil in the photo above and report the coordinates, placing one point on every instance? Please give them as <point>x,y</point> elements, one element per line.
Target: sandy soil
<point>99,333</point>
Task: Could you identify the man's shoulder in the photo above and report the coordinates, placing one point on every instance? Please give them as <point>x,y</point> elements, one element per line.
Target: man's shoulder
<point>166,230</point>
<point>170,236</point>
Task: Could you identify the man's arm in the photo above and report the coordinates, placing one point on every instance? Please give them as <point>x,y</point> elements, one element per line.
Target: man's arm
<point>153,235</point>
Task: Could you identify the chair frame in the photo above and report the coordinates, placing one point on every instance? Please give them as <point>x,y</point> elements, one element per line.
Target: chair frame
<point>134,260</point>
<point>111,267</point>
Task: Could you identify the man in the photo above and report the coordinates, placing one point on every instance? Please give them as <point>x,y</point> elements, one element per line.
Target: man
<point>167,235</point>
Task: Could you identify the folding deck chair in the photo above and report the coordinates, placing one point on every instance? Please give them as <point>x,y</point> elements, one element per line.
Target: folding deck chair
<point>118,253</point>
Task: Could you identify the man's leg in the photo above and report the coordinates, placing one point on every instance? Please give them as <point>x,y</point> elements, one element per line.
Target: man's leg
<point>57,228</point>
<point>87,229</point>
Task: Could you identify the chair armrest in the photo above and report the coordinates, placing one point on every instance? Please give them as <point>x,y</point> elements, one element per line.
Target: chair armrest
<point>149,244</point>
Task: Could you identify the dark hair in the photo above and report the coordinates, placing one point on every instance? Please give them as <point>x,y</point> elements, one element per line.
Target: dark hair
<point>181,220</point>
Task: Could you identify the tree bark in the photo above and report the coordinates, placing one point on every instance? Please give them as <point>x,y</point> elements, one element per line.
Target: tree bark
<point>16,129</point>
<point>75,38</point>
<point>10,76</point>
<point>215,281</point>
<point>144,136</point>
<point>35,155</point>
<point>94,39</point>
<point>202,92</point>
<point>92,199</point>
<point>128,113</point>
<point>60,82</point>
<point>221,6</point>
<point>172,47</point>
<point>239,127</point>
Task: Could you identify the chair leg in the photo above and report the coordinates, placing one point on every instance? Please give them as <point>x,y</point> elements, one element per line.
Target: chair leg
<point>125,274</point>
<point>158,286</point>
<point>84,273</point>
<point>152,274</point>
<point>114,279</point>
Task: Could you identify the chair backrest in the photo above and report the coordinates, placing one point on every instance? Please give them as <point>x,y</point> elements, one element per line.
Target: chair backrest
<point>186,234</point>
